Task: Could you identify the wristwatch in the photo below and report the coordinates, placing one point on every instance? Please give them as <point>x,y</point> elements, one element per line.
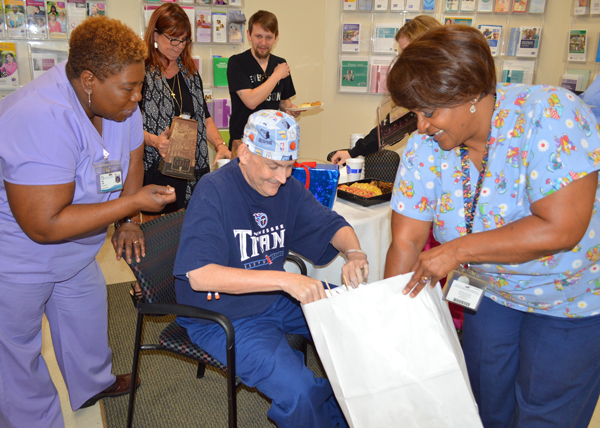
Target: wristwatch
<point>135,220</point>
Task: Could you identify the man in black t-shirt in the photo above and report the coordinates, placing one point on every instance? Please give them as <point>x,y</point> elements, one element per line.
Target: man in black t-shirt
<point>257,79</point>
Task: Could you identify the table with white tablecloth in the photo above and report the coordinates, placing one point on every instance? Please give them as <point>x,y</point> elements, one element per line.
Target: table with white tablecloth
<point>373,228</point>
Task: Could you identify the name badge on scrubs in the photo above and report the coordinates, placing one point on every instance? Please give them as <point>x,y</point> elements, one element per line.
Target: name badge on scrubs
<point>109,176</point>
<point>465,287</point>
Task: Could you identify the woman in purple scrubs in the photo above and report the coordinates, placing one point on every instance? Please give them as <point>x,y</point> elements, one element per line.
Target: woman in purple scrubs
<point>66,137</point>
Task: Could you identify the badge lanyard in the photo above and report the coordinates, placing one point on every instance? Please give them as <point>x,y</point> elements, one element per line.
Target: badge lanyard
<point>465,286</point>
<point>470,201</point>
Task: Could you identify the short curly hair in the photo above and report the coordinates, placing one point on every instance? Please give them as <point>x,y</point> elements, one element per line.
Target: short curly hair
<point>444,67</point>
<point>103,46</point>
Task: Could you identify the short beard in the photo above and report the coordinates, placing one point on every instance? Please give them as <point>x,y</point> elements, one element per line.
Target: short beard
<point>261,56</point>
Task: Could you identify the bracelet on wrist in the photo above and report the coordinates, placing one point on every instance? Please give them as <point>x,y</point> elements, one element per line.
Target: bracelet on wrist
<point>135,220</point>
<point>354,251</point>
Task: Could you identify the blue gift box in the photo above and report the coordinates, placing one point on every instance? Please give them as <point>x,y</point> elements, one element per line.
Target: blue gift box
<point>322,180</point>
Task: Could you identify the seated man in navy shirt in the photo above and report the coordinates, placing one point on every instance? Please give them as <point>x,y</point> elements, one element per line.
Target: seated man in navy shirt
<point>240,225</point>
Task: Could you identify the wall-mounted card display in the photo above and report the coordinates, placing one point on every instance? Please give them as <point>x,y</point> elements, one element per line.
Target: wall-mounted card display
<point>451,5</point>
<point>519,6</point>
<point>42,62</point>
<point>236,20</point>
<point>2,24</point>
<point>219,24</point>
<point>585,76</point>
<point>9,76</point>
<point>458,20</point>
<point>518,71</point>
<point>467,6</point>
<point>350,37</point>
<point>379,68</point>
<point>76,13</point>
<point>148,11</point>
<point>502,6</point>
<point>577,45</point>
<point>384,38</point>
<point>95,8</point>
<point>203,25</point>
<point>485,6</point>
<point>513,41</point>
<point>354,71</point>
<point>413,5</point>
<point>492,34</point>
<point>580,7</point>
<point>349,4</point>
<point>191,14</point>
<point>36,19</point>
<point>571,82</point>
<point>365,5</point>
<point>429,5</point>
<point>397,5</point>
<point>380,5</point>
<point>529,42</point>
<point>42,59</point>
<point>220,71</point>
<point>16,26</point>
<point>57,19</point>
<point>537,6</point>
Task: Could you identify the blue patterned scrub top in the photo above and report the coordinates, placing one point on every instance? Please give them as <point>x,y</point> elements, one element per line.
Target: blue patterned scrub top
<point>542,138</point>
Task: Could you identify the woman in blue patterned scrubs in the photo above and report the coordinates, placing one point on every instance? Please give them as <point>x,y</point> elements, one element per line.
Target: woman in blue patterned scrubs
<point>508,175</point>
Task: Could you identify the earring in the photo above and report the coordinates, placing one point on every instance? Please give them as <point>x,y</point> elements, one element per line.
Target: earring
<point>473,109</point>
<point>155,45</point>
<point>90,100</point>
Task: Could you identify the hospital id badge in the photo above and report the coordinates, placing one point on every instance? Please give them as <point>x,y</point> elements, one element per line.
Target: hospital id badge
<point>109,176</point>
<point>465,287</point>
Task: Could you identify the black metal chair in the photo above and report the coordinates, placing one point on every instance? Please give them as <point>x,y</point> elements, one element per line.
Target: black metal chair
<point>155,277</point>
<point>382,165</point>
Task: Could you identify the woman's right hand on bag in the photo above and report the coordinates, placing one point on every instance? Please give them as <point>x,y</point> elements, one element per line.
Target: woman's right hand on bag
<point>153,198</point>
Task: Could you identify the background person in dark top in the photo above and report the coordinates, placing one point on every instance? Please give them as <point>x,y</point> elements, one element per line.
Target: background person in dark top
<point>257,79</point>
<point>370,144</point>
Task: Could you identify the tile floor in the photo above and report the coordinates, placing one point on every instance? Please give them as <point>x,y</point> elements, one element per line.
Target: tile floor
<point>92,417</point>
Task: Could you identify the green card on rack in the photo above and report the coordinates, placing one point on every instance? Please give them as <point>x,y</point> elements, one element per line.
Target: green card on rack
<point>220,71</point>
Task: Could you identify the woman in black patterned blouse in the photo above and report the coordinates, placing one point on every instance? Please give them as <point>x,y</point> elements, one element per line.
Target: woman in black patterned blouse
<point>173,87</point>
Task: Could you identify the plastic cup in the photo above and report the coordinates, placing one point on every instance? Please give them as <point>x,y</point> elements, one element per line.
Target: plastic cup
<point>222,162</point>
<point>354,168</point>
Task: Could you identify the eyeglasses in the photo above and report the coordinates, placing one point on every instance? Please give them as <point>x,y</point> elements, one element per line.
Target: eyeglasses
<point>176,42</point>
<point>263,78</point>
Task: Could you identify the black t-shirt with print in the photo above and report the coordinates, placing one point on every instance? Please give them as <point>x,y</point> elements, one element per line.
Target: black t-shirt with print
<point>244,72</point>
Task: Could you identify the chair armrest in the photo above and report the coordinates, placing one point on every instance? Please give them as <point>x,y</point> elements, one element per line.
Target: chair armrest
<point>299,262</point>
<point>192,312</point>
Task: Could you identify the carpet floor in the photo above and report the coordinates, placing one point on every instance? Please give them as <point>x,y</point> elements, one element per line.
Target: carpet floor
<point>170,395</point>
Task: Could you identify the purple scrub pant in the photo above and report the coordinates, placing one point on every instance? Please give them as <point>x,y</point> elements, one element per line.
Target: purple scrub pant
<point>77,314</point>
<point>529,370</point>
<point>265,360</point>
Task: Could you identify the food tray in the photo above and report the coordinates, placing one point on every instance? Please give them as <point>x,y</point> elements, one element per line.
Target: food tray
<point>360,200</point>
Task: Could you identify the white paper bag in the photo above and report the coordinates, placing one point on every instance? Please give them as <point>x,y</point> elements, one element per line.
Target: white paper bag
<point>393,361</point>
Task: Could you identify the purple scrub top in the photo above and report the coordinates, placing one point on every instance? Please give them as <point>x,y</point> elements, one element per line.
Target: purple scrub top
<point>45,139</point>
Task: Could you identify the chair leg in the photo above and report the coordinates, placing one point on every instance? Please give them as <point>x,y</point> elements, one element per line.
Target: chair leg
<point>201,370</point>
<point>134,369</point>
<point>231,396</point>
